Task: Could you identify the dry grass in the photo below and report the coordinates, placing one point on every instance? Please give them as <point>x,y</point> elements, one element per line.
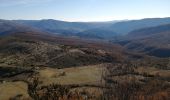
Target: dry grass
<point>153,71</point>
<point>12,89</point>
<point>77,75</point>
<point>128,78</point>
<point>94,91</point>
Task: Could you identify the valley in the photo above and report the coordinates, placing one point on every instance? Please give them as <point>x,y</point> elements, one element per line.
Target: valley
<point>83,62</point>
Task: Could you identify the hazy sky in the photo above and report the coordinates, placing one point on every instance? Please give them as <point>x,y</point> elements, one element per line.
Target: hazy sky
<point>84,10</point>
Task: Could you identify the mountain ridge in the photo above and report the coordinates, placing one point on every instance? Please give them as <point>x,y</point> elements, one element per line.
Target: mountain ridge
<point>154,41</point>
<point>76,28</point>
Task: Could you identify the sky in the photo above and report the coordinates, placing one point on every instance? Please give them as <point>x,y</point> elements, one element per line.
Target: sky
<point>84,10</point>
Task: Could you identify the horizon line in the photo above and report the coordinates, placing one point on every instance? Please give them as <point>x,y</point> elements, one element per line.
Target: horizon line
<point>130,19</point>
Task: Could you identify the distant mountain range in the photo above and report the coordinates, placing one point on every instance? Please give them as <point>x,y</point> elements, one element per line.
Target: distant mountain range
<point>149,36</point>
<point>62,27</point>
<point>99,30</point>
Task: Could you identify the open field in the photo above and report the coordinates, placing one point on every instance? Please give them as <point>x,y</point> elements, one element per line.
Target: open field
<point>12,89</point>
<point>94,81</point>
<point>77,75</point>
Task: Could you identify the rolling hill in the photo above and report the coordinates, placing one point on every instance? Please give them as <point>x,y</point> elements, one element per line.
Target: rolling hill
<point>36,64</point>
<point>125,27</point>
<point>146,40</point>
<point>153,41</point>
<point>7,27</point>
<point>24,46</point>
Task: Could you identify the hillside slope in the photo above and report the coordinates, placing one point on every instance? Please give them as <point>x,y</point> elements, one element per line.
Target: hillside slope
<point>125,27</point>
<point>41,49</point>
<point>7,27</point>
<point>154,41</point>
<point>97,33</point>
